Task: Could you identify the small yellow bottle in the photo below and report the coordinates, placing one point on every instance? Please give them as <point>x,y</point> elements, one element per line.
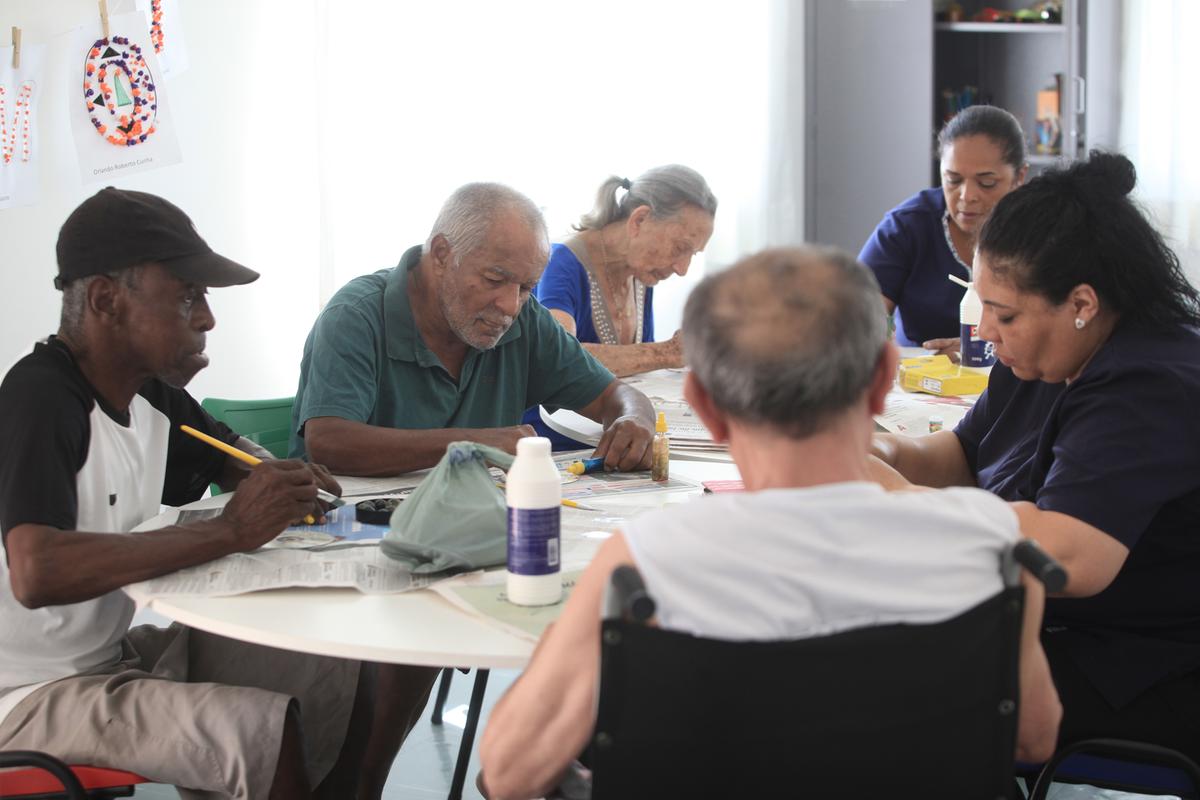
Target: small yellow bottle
<point>661,448</point>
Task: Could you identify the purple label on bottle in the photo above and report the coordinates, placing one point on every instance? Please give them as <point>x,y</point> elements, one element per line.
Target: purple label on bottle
<point>533,540</point>
<point>975,351</point>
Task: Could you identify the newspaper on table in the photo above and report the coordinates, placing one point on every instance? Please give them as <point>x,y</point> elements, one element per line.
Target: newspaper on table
<point>908,413</point>
<point>483,595</point>
<point>366,569</point>
<point>379,487</point>
<point>345,553</point>
<point>660,385</point>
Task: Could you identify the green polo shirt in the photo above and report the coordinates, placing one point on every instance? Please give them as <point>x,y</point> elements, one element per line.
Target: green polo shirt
<point>364,360</point>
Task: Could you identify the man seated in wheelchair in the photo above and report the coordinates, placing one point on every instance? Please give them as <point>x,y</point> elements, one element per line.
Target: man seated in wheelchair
<point>790,361</point>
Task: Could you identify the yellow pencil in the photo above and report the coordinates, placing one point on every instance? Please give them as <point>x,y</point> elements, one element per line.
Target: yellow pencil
<point>245,458</point>
<point>581,506</point>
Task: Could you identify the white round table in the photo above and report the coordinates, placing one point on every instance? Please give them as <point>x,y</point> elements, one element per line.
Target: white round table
<point>418,627</point>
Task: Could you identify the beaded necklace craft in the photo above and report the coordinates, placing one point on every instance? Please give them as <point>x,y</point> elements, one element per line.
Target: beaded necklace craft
<point>156,26</point>
<point>132,110</point>
<point>21,123</point>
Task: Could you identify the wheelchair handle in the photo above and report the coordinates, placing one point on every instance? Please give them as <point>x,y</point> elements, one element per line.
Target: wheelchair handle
<point>1040,564</point>
<point>628,595</point>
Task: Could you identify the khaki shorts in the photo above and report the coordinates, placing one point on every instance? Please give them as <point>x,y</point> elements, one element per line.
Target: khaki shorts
<point>189,708</point>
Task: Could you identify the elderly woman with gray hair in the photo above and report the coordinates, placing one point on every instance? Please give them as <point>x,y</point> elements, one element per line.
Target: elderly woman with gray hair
<point>599,283</point>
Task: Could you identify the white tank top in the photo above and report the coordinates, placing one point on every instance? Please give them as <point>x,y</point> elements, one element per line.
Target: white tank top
<point>794,563</point>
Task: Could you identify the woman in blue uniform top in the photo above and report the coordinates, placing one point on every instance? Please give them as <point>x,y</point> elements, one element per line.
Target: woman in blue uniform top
<point>599,284</point>
<point>1090,426</point>
<point>932,234</point>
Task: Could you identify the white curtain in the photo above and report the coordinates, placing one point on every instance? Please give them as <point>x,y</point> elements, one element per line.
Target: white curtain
<point>1160,119</point>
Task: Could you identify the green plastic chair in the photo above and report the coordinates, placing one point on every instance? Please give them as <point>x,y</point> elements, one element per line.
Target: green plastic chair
<point>267,423</point>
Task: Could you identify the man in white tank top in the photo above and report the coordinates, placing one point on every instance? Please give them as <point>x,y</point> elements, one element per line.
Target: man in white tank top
<point>790,362</point>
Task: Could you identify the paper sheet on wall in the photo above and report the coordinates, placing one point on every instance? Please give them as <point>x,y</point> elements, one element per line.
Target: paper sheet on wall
<point>166,34</point>
<point>21,91</point>
<point>120,118</point>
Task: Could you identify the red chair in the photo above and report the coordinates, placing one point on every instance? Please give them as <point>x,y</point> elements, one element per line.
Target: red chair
<point>30,775</point>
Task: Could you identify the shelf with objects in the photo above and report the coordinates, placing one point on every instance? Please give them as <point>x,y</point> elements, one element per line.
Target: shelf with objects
<point>1025,57</point>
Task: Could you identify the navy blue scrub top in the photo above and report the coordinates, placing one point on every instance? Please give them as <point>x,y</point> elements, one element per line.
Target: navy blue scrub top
<point>911,258</point>
<point>1119,449</point>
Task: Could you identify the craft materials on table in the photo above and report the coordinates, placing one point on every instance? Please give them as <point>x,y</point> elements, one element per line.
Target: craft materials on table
<point>599,484</point>
<point>345,552</point>
<point>585,466</point>
<point>939,375</point>
<point>660,466</point>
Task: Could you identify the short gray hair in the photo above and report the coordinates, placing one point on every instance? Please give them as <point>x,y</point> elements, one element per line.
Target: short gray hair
<point>74,302</point>
<point>468,214</point>
<point>788,337</point>
<point>665,189</point>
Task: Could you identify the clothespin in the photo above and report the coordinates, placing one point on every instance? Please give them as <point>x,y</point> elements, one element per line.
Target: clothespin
<point>16,47</point>
<point>104,17</point>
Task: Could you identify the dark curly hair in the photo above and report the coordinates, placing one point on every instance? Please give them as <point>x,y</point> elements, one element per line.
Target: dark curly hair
<point>1078,225</point>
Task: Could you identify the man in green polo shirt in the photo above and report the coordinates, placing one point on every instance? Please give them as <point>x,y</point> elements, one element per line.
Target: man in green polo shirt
<point>445,347</point>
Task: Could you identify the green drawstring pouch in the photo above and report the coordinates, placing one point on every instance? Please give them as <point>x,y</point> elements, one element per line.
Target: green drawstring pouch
<point>457,519</point>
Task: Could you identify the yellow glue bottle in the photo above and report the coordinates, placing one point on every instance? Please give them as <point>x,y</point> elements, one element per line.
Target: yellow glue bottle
<point>661,448</point>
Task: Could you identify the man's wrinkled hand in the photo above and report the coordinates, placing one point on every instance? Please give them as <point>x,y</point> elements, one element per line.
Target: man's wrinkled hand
<point>324,480</point>
<point>275,495</point>
<point>626,445</point>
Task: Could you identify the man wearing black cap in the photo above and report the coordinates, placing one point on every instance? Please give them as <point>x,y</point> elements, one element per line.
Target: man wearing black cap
<point>90,425</point>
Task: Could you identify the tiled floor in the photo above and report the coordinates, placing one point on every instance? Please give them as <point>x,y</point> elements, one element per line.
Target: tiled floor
<point>426,763</point>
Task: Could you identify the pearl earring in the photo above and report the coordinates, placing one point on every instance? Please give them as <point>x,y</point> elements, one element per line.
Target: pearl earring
<point>1079,323</point>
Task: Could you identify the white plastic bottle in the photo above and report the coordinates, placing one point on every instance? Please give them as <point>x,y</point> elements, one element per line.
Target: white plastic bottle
<point>533,490</point>
<point>975,351</point>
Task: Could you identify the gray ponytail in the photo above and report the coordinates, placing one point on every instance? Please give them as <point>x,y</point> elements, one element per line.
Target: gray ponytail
<point>666,190</point>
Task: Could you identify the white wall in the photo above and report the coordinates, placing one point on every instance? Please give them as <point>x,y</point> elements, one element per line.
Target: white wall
<point>319,139</point>
<point>223,123</point>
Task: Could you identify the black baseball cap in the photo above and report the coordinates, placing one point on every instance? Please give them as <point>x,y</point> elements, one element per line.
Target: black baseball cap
<point>114,229</point>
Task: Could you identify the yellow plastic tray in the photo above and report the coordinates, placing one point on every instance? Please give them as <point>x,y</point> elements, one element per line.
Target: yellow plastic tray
<point>939,375</point>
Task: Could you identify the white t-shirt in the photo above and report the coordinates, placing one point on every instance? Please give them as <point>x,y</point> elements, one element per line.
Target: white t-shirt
<point>71,463</point>
<point>794,563</point>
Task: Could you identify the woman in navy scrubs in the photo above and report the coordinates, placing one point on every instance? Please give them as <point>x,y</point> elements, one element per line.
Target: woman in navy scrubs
<point>1090,425</point>
<point>932,234</point>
